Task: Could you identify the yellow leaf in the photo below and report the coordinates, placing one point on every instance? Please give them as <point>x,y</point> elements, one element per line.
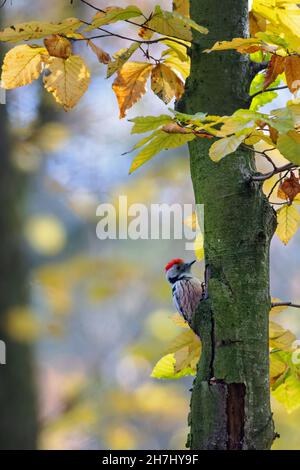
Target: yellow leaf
<point>120,58</point>
<point>292,72</point>
<point>67,79</point>
<point>130,84</point>
<point>277,367</point>
<point>288,220</point>
<point>58,46</point>
<point>279,309</point>
<point>223,147</point>
<point>179,320</point>
<point>37,30</point>
<point>279,338</point>
<point>166,84</point>
<point>199,247</point>
<point>112,15</point>
<point>173,24</point>
<point>182,7</point>
<point>240,44</point>
<point>102,56</point>
<point>21,66</point>
<point>165,369</point>
<point>288,393</point>
<point>183,67</point>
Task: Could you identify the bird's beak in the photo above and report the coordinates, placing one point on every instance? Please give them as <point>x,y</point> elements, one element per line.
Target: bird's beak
<point>188,265</point>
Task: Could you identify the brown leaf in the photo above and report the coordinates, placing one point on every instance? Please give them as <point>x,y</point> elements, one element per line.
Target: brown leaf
<point>289,188</point>
<point>273,134</point>
<point>58,46</point>
<point>275,68</point>
<point>130,84</point>
<point>174,128</point>
<point>292,72</point>
<point>166,84</point>
<point>257,23</point>
<point>102,56</point>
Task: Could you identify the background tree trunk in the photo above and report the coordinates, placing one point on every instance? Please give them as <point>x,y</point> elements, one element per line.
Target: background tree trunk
<point>230,404</point>
<point>17,397</point>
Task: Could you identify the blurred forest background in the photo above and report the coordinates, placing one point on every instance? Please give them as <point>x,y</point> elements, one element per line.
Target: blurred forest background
<point>86,320</point>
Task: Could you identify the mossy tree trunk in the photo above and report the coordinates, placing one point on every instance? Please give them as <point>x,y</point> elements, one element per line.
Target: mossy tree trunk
<point>17,396</point>
<point>230,404</point>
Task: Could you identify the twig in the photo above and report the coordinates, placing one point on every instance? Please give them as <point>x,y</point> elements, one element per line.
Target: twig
<point>143,25</point>
<point>283,87</point>
<point>284,304</point>
<point>288,166</point>
<point>277,182</point>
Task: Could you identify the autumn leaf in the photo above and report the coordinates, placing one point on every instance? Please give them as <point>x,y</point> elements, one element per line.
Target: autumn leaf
<point>38,29</point>
<point>242,45</point>
<point>160,141</point>
<point>130,84</point>
<point>58,46</point>
<point>174,128</point>
<point>173,24</point>
<point>257,23</point>
<point>166,84</point>
<point>275,68</point>
<point>102,56</point>
<point>279,338</point>
<point>182,7</point>
<point>288,220</point>
<point>112,15</point>
<point>67,79</point>
<point>289,188</point>
<point>21,66</point>
<point>292,72</point>
<point>121,57</point>
<point>145,33</point>
<point>223,147</point>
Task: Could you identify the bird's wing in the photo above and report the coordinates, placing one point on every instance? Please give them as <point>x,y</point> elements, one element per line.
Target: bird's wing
<point>187,294</point>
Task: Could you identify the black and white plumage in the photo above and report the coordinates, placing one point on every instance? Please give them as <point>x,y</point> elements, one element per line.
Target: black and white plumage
<point>187,290</point>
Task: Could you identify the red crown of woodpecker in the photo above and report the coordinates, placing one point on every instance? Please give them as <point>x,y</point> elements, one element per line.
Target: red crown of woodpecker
<point>174,261</point>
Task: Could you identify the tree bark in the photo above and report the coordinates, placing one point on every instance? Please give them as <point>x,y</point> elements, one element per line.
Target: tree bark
<point>230,403</point>
<point>17,395</point>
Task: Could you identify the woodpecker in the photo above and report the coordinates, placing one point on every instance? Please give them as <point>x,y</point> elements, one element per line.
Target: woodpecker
<point>187,290</point>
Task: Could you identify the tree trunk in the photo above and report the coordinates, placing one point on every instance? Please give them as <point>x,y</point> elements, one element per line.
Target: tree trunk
<point>230,404</point>
<point>17,397</point>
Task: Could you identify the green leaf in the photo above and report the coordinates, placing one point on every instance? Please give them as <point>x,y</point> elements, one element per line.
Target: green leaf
<point>289,146</point>
<point>112,15</point>
<point>121,58</point>
<point>149,123</point>
<point>165,369</point>
<point>161,141</point>
<point>173,24</point>
<point>288,393</point>
<point>224,147</point>
<point>265,97</point>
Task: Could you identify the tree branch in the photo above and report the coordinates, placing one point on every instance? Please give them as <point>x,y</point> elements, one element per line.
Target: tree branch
<point>143,25</point>
<point>288,166</point>
<point>284,304</point>
<point>283,87</point>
